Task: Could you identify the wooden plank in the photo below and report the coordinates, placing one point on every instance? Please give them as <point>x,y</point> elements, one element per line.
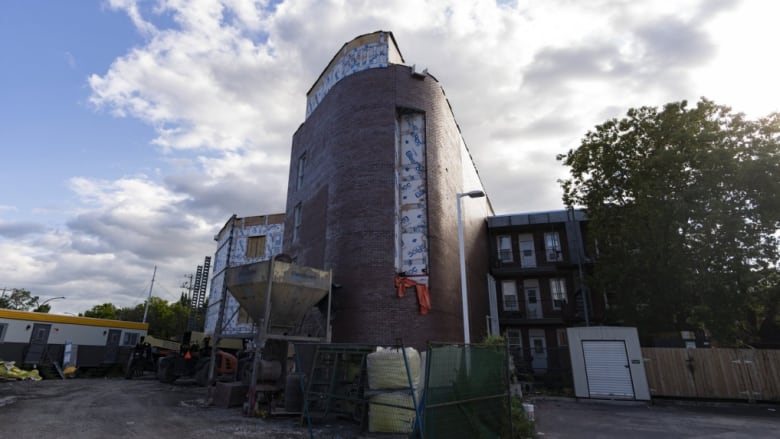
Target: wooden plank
<point>58,369</point>
<point>718,373</point>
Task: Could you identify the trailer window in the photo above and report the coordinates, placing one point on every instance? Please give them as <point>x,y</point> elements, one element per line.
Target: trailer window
<point>131,338</point>
<point>3,327</point>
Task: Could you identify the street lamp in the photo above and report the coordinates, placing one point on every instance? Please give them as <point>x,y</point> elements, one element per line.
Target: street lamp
<point>462,254</point>
<point>40,305</point>
<point>49,300</point>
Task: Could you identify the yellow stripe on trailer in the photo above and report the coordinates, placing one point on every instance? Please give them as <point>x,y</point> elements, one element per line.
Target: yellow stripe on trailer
<point>74,320</point>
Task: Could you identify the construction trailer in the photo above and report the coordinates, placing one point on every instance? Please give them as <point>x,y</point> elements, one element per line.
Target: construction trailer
<point>35,339</point>
<point>288,303</point>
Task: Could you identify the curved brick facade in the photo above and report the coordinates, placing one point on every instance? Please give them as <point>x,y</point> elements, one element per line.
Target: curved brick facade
<point>347,203</point>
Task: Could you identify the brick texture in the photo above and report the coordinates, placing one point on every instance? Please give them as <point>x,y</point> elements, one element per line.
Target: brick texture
<point>348,211</point>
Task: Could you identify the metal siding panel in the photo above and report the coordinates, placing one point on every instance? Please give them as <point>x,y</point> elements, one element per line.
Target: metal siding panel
<point>7,315</point>
<point>606,366</point>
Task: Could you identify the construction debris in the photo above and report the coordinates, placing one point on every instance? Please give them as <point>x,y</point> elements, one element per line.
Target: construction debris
<point>9,371</point>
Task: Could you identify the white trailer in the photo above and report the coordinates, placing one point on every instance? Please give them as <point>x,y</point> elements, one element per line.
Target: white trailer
<point>31,338</point>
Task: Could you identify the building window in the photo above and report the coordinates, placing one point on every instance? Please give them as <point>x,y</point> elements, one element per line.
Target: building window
<point>3,329</point>
<point>515,338</point>
<point>40,333</point>
<point>527,251</point>
<point>505,248</point>
<point>533,307</point>
<point>563,339</point>
<point>243,316</point>
<point>509,291</point>
<point>552,246</point>
<point>130,339</point>
<point>558,292</point>
<point>301,167</point>
<point>255,246</point>
<point>297,222</point>
<point>538,346</point>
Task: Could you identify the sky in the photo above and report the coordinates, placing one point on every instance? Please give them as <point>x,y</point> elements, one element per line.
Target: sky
<point>130,131</point>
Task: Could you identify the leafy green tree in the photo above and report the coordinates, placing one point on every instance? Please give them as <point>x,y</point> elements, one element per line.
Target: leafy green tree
<point>104,311</point>
<point>684,205</point>
<point>18,299</point>
<point>166,320</point>
<point>44,308</point>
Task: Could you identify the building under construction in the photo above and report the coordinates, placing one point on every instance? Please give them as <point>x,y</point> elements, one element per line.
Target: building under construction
<point>375,170</point>
<point>240,241</point>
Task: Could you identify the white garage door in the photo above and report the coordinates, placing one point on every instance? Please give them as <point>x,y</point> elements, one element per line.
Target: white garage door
<point>606,365</point>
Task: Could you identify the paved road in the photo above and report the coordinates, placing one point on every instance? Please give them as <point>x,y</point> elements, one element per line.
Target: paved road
<point>568,418</point>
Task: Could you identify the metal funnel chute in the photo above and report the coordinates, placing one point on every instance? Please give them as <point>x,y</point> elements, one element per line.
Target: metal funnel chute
<point>278,293</point>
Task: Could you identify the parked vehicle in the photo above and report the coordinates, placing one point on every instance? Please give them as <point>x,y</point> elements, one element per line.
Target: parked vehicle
<point>142,358</point>
<point>192,361</point>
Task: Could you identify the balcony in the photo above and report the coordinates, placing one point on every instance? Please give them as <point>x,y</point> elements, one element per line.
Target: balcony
<point>515,268</point>
<point>531,318</point>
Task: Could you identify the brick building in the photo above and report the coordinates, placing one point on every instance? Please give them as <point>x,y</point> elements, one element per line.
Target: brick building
<point>375,169</point>
<point>538,262</point>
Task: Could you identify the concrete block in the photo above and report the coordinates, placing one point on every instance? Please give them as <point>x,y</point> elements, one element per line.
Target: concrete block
<point>230,394</point>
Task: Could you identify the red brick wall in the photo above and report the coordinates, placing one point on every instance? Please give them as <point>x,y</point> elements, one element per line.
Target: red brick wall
<point>348,206</point>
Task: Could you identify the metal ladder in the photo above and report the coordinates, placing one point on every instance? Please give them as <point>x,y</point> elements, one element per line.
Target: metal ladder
<point>336,382</point>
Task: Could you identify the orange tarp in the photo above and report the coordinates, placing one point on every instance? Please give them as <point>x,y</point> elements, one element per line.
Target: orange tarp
<point>423,298</point>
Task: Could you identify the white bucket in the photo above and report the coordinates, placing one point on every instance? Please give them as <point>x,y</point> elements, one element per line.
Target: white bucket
<point>529,410</point>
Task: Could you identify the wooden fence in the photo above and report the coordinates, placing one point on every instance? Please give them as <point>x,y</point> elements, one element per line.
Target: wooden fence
<point>749,374</point>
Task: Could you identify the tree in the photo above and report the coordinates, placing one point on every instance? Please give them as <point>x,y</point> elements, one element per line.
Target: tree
<point>18,299</point>
<point>684,204</point>
<point>104,311</point>
<point>43,308</point>
<point>165,320</point>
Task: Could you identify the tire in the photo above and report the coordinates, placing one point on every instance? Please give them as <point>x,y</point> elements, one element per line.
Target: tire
<point>202,374</point>
<point>134,369</point>
<point>129,370</point>
<point>165,372</point>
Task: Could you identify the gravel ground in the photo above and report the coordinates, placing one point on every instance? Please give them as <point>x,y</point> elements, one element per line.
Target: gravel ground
<point>144,408</point>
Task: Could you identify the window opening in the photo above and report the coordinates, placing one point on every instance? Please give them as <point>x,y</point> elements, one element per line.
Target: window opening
<point>509,292</point>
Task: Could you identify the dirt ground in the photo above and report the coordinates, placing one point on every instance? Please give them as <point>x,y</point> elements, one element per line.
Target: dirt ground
<point>143,408</point>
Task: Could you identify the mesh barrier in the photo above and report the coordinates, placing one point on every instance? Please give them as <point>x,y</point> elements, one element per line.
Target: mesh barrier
<point>450,391</point>
<point>466,393</point>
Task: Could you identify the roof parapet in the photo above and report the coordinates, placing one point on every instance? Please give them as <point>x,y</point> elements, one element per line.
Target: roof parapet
<point>369,51</point>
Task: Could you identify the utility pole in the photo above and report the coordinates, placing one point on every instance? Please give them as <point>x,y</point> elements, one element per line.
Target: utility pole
<point>188,286</point>
<point>149,299</point>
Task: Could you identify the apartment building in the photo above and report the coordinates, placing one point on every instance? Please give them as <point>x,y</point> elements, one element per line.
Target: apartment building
<point>538,263</point>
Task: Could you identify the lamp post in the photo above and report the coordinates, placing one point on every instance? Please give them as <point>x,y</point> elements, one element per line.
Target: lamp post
<point>40,305</point>
<point>462,254</point>
<point>49,300</point>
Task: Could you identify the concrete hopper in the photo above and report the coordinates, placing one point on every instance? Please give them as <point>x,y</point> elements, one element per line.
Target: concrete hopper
<point>278,293</point>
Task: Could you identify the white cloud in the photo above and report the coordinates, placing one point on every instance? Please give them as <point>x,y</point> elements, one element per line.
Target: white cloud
<point>223,84</point>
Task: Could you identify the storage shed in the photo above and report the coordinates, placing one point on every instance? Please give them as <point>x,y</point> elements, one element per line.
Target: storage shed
<point>607,363</point>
